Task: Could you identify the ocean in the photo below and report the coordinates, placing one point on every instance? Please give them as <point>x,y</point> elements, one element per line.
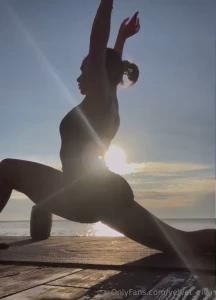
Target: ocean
<point>68,228</point>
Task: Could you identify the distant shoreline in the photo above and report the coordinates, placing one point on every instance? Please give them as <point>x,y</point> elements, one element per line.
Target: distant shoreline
<point>164,219</point>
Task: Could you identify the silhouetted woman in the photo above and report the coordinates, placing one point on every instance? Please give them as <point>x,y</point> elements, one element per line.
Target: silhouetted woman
<point>86,191</point>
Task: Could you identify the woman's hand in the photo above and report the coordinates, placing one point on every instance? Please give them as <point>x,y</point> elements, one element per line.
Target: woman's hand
<point>128,29</point>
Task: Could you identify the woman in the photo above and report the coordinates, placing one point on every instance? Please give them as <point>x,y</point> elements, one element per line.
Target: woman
<point>86,191</point>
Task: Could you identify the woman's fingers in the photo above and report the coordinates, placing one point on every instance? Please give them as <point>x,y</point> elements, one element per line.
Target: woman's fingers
<point>130,26</point>
<point>134,19</point>
<point>138,28</point>
<point>135,16</point>
<point>137,25</point>
<point>125,21</point>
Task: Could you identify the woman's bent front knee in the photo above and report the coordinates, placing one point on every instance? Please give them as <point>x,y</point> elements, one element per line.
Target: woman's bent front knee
<point>119,196</point>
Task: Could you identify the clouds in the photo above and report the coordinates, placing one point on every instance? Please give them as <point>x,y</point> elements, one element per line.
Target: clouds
<point>176,193</point>
<point>174,189</point>
<point>158,168</point>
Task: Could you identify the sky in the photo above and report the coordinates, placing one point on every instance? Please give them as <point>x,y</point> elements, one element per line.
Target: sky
<point>167,118</point>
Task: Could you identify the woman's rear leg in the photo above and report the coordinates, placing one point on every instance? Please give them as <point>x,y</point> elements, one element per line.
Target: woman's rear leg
<point>140,225</point>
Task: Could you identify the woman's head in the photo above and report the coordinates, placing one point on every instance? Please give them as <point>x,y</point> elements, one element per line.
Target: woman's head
<point>116,69</point>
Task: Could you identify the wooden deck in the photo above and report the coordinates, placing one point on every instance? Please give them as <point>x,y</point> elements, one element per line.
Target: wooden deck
<point>97,268</point>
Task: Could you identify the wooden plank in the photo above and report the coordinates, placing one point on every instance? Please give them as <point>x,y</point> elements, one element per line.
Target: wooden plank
<point>148,285</point>
<point>85,279</point>
<point>65,293</point>
<point>133,286</point>
<point>175,286</point>
<point>110,280</point>
<point>30,279</point>
<point>15,270</point>
<point>183,286</point>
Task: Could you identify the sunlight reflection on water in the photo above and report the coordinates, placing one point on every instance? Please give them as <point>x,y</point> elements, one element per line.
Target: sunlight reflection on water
<point>68,228</point>
<point>59,228</point>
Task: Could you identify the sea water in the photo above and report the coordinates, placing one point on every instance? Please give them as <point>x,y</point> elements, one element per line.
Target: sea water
<point>68,228</point>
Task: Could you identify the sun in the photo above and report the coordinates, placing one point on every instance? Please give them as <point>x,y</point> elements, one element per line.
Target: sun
<point>115,159</point>
<point>114,155</point>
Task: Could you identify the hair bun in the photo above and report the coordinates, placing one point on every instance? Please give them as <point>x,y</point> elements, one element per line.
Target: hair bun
<point>131,70</point>
<point>126,66</point>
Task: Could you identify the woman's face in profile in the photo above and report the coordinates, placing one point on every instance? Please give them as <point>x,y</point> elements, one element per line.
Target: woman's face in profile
<point>82,79</point>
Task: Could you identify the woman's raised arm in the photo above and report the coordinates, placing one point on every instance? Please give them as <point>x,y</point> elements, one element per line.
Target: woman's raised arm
<point>97,76</point>
<point>126,30</point>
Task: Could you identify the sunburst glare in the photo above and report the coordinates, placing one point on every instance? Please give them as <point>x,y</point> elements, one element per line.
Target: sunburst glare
<point>115,159</point>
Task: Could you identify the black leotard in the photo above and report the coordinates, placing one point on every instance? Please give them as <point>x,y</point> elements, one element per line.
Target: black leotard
<point>84,133</point>
<point>105,191</point>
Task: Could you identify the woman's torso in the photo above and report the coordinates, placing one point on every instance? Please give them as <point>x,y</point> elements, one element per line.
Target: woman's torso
<point>85,135</point>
